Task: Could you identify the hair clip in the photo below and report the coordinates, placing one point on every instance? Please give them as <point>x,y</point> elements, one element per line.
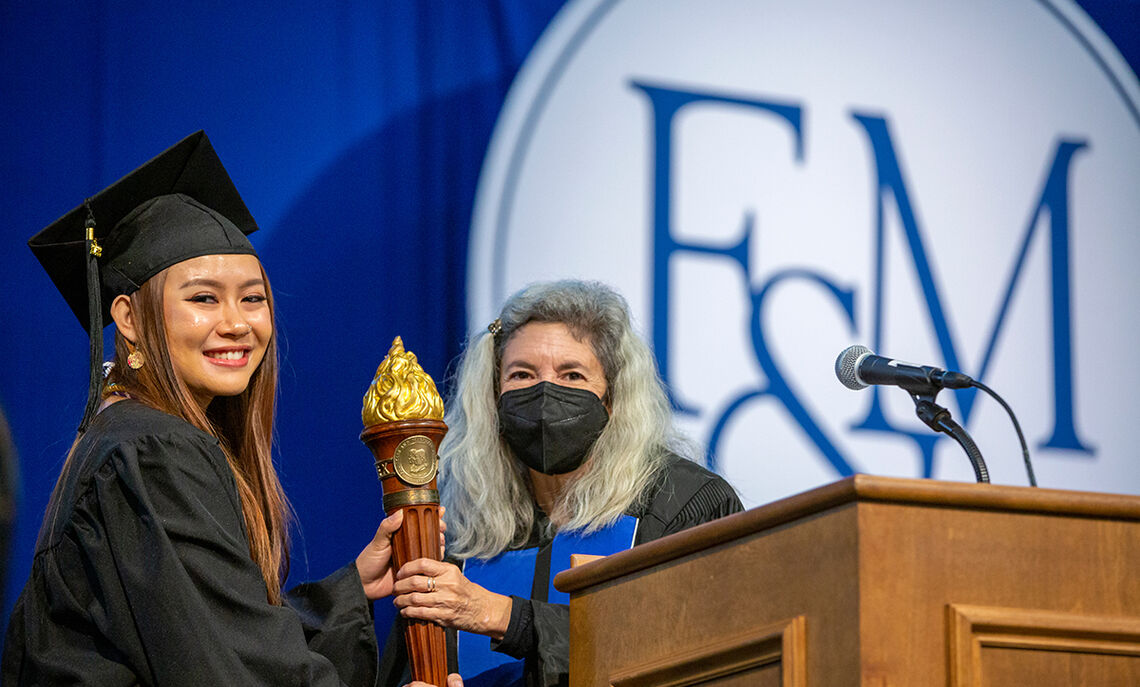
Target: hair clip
<point>495,327</point>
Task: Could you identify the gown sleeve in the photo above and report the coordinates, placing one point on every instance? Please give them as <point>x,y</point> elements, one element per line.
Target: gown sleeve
<point>338,623</point>
<point>540,632</point>
<point>552,640</point>
<point>172,562</point>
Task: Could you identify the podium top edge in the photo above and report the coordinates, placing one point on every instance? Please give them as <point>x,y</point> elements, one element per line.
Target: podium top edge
<point>857,489</point>
<point>985,496</point>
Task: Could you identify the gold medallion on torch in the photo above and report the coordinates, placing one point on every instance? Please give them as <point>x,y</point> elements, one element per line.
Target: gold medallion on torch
<point>403,425</point>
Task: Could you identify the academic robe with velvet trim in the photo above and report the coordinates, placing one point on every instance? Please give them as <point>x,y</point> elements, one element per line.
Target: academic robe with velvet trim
<point>684,495</point>
<point>142,575</point>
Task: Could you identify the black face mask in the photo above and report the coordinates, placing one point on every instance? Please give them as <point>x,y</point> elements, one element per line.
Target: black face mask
<point>551,428</point>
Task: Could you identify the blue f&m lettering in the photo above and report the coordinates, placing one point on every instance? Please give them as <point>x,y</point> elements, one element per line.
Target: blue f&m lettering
<point>1052,201</point>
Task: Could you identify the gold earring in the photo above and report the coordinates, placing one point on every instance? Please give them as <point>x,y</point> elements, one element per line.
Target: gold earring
<point>135,360</point>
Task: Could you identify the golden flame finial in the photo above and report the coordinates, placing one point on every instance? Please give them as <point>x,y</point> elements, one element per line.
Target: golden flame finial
<point>401,390</point>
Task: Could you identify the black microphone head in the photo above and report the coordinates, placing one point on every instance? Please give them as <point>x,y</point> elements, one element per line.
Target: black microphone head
<point>847,366</point>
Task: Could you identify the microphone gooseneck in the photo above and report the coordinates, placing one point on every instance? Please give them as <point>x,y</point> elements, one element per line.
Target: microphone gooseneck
<point>857,368</point>
<point>938,418</point>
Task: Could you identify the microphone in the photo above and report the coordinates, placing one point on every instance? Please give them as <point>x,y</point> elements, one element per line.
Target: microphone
<point>857,368</point>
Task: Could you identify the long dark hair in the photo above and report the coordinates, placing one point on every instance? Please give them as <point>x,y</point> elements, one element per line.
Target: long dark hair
<point>243,425</point>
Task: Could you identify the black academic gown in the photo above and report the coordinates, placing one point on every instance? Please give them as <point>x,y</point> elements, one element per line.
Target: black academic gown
<point>142,575</point>
<point>684,495</point>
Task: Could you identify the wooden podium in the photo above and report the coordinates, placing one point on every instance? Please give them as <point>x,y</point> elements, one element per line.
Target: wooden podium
<point>873,581</point>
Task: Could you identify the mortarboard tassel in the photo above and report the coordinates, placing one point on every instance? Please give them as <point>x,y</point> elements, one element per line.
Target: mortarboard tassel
<point>95,320</point>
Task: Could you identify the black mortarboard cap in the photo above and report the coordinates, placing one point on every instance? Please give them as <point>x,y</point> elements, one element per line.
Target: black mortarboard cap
<point>180,205</point>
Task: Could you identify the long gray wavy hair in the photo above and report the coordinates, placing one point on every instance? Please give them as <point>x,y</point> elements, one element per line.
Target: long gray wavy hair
<point>487,490</point>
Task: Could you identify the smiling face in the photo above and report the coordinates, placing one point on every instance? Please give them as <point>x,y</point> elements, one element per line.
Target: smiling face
<point>218,323</point>
<point>548,352</point>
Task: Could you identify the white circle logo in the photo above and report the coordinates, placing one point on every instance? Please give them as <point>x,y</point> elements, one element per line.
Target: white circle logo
<point>769,182</point>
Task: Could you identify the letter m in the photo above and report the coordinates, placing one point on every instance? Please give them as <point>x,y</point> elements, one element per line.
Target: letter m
<point>1053,201</point>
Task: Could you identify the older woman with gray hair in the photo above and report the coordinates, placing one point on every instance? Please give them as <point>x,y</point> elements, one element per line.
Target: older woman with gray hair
<point>561,441</point>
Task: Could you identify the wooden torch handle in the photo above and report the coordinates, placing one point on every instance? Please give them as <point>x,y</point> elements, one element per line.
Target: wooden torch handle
<point>418,536</point>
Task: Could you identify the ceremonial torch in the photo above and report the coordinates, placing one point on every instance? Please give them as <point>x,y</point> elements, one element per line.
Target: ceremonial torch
<point>403,425</point>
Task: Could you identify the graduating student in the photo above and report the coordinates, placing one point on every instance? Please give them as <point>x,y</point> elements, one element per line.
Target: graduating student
<point>162,553</point>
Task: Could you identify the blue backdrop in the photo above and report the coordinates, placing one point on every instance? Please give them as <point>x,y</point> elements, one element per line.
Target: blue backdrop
<point>355,131</point>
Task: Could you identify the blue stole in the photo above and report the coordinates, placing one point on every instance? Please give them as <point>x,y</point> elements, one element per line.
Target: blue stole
<point>513,573</point>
